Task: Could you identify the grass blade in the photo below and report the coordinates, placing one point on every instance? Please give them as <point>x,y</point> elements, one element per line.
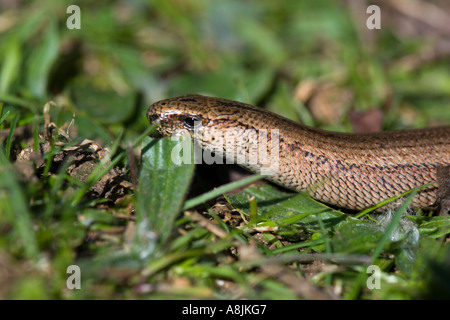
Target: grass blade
<point>13,201</point>
<point>41,61</point>
<point>11,65</point>
<point>221,190</point>
<point>395,220</point>
<point>163,185</point>
<point>11,134</point>
<point>384,202</point>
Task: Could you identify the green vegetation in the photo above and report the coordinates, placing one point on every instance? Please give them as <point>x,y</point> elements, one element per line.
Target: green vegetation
<point>82,184</point>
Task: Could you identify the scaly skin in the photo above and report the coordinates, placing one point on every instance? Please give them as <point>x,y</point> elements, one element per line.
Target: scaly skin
<point>348,170</point>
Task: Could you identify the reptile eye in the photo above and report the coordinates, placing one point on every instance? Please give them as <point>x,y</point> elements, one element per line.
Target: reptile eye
<point>190,121</point>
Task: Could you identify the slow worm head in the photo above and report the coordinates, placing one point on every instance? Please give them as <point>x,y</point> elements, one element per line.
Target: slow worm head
<point>348,170</point>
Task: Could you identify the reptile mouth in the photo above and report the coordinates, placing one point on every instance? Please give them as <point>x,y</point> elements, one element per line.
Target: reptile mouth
<point>153,118</point>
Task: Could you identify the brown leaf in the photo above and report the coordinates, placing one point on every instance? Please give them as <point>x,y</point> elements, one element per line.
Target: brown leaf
<point>370,121</point>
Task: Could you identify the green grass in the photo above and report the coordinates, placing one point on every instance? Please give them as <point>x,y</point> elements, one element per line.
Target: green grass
<point>156,230</point>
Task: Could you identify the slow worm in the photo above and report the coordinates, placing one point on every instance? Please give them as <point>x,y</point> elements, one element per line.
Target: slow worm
<point>349,170</point>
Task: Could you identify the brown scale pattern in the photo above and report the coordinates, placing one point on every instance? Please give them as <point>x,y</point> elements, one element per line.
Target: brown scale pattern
<point>352,171</point>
